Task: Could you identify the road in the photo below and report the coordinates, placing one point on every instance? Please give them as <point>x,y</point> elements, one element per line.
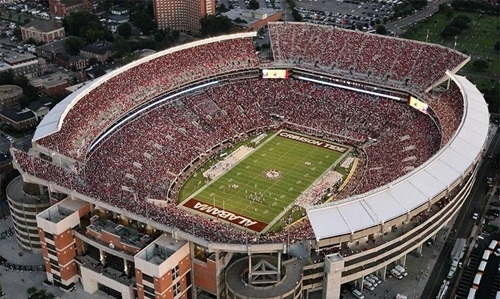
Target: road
<point>430,9</point>
<point>463,225</point>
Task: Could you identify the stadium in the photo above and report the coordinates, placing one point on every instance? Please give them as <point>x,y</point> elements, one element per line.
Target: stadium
<point>207,171</point>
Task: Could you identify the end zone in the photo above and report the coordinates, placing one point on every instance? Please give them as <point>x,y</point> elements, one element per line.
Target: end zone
<point>228,216</point>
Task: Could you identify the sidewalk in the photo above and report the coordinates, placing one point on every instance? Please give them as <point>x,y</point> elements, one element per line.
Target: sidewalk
<point>16,283</point>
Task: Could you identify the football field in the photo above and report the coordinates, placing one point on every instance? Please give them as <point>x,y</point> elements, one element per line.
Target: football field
<point>260,187</point>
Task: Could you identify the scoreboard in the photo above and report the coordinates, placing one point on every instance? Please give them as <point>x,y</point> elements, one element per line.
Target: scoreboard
<point>417,104</point>
<point>275,74</point>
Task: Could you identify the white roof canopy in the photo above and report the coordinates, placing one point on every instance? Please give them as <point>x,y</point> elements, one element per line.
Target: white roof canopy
<point>418,187</point>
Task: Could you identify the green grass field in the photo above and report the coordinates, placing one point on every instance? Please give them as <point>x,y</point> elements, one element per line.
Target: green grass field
<point>245,190</point>
<point>477,41</point>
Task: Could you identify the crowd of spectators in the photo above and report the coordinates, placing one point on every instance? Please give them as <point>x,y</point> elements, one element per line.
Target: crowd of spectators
<point>97,109</point>
<point>141,159</point>
<point>410,62</point>
<point>449,112</point>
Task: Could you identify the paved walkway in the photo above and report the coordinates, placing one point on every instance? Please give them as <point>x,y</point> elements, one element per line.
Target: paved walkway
<point>418,268</point>
<point>16,283</point>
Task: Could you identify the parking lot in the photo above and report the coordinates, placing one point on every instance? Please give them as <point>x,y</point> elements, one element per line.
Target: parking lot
<point>345,13</point>
<point>245,4</point>
<point>490,277</point>
<point>418,269</point>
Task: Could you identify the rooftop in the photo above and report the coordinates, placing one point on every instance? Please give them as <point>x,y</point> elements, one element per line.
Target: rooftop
<point>161,249</point>
<point>11,57</point>
<point>250,16</point>
<point>127,234</point>
<point>57,44</point>
<point>62,210</point>
<point>16,115</point>
<point>17,193</point>
<point>7,91</point>
<point>42,25</point>
<point>50,80</point>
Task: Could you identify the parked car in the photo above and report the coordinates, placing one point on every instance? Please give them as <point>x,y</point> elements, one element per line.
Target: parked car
<point>358,294</point>
<point>493,212</point>
<point>396,274</point>
<point>372,281</point>
<point>377,279</point>
<point>368,285</point>
<point>401,270</point>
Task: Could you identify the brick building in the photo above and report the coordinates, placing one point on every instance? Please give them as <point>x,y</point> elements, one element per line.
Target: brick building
<point>100,50</point>
<point>182,15</point>
<point>61,8</point>
<point>42,31</point>
<point>10,95</point>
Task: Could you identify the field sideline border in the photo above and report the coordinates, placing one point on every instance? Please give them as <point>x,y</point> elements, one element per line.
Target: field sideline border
<point>331,198</point>
<point>279,216</point>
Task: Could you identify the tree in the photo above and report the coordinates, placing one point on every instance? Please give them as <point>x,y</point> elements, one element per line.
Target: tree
<point>86,25</point>
<point>31,290</point>
<point>461,22</point>
<point>122,47</point>
<point>492,97</point>
<point>296,15</point>
<point>35,293</point>
<point>30,41</point>
<point>7,77</point>
<point>446,9</point>
<point>125,30</point>
<point>74,44</point>
<point>480,65</point>
<point>93,61</point>
<point>381,30</point>
<point>144,19</point>
<point>99,73</point>
<point>221,8</point>
<point>497,46</point>
<point>215,25</point>
<point>30,93</point>
<point>254,4</point>
<point>450,31</point>
<point>240,20</point>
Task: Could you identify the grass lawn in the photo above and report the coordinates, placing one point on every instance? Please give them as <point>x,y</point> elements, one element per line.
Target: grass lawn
<point>269,179</point>
<point>477,41</point>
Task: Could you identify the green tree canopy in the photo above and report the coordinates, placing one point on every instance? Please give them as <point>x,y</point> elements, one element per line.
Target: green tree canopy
<point>122,47</point>
<point>450,31</point>
<point>144,19</point>
<point>497,46</point>
<point>74,44</point>
<point>86,25</point>
<point>296,15</point>
<point>254,4</point>
<point>461,22</point>
<point>215,25</point>
<point>381,30</point>
<point>480,65</point>
<point>125,30</point>
<point>7,77</point>
<point>446,9</point>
